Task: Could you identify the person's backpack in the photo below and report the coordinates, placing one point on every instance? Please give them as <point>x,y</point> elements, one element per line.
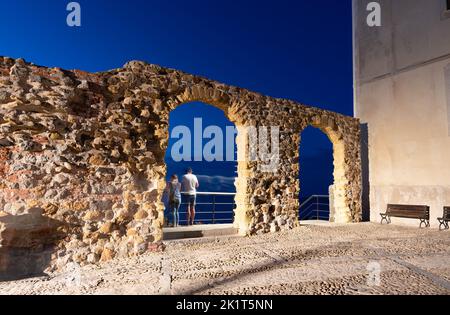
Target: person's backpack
<point>172,196</point>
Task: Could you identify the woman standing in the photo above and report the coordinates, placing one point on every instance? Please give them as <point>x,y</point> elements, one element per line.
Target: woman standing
<point>174,194</point>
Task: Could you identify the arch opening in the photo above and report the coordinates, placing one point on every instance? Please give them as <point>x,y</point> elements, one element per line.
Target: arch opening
<point>316,175</point>
<point>322,175</point>
<point>200,136</point>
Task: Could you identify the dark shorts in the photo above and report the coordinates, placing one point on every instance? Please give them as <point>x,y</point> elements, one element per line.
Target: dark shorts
<point>192,199</point>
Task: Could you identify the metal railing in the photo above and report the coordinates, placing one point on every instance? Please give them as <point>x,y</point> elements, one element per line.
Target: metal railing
<point>316,207</point>
<point>215,216</point>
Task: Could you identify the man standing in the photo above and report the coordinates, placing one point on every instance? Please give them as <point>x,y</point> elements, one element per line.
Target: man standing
<point>190,185</point>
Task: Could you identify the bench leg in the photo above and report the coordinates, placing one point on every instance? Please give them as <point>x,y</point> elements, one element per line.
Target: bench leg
<point>426,222</point>
<point>442,223</point>
<point>446,225</point>
<point>385,217</point>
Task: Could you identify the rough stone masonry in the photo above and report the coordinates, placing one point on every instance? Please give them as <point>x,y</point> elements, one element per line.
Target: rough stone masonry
<point>82,161</point>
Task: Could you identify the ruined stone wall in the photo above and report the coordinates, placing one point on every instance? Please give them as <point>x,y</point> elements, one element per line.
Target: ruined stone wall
<point>82,158</point>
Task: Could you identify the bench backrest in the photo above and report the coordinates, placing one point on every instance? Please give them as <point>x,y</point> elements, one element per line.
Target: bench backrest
<point>446,215</point>
<point>409,211</point>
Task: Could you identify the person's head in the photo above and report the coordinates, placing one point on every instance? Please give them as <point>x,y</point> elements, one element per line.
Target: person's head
<point>174,178</point>
<point>189,170</point>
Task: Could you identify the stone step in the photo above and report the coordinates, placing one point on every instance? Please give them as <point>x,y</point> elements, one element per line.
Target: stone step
<point>198,231</point>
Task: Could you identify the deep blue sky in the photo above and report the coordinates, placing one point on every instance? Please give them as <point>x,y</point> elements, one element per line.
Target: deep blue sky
<point>300,50</point>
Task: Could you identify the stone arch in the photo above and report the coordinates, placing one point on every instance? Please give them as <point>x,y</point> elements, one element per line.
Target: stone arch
<point>98,170</point>
<point>224,102</point>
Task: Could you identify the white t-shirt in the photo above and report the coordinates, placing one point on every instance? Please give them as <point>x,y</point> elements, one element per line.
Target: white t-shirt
<point>190,183</point>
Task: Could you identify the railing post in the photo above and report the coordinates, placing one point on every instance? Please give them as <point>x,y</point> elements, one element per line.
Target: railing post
<point>317,208</point>
<point>214,209</point>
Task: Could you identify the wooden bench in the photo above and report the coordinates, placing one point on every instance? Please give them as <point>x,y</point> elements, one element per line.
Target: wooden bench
<point>443,222</point>
<point>421,213</point>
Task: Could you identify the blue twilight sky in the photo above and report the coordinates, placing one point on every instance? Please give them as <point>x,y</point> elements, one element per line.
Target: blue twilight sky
<point>298,49</point>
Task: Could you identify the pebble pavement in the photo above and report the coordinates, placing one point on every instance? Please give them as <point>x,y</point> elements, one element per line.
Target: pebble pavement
<point>365,258</point>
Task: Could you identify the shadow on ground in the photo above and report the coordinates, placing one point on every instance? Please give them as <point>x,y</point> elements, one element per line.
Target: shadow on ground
<point>26,245</point>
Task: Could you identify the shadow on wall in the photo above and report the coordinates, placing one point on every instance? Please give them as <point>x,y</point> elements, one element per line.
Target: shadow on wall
<point>26,244</point>
<point>365,173</point>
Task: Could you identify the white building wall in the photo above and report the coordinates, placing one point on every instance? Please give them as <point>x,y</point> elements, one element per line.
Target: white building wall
<point>402,93</point>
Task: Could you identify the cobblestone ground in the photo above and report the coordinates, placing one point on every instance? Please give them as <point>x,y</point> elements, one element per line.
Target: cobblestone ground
<point>306,260</point>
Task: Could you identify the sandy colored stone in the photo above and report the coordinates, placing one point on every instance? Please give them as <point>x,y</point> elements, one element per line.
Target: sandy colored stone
<point>55,136</point>
<point>97,160</point>
<point>79,205</point>
<point>106,227</point>
<point>140,215</point>
<point>50,209</point>
<point>131,232</point>
<point>93,216</point>
<point>107,255</point>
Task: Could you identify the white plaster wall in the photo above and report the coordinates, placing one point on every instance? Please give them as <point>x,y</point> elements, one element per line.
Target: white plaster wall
<point>413,32</point>
<point>402,93</point>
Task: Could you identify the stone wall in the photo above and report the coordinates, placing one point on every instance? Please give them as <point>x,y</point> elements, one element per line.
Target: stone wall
<point>82,158</point>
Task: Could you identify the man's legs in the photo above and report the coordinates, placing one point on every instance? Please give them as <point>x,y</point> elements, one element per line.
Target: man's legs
<point>188,214</point>
<point>193,214</point>
<point>191,210</point>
